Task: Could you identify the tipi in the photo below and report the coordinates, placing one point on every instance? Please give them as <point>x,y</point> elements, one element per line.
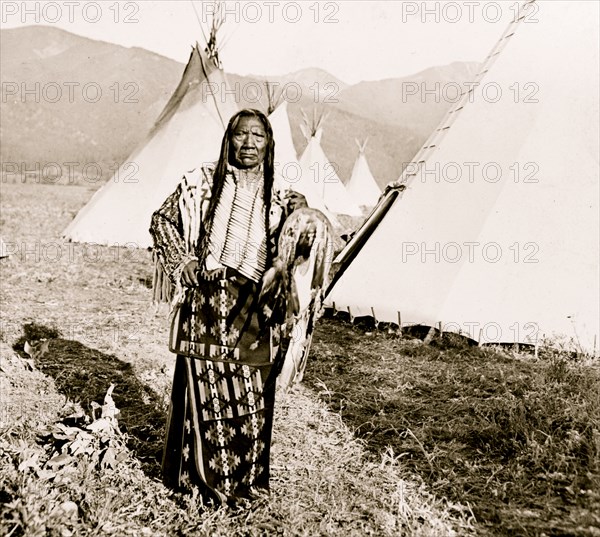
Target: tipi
<point>497,236</point>
<point>362,187</point>
<point>322,174</point>
<point>289,173</point>
<point>187,133</point>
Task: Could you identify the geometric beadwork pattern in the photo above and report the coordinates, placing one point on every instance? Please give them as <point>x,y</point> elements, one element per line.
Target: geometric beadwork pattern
<point>218,320</point>
<point>220,433</point>
<point>222,450</point>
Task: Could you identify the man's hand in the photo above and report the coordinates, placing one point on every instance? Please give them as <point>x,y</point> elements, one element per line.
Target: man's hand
<point>294,200</point>
<point>188,274</point>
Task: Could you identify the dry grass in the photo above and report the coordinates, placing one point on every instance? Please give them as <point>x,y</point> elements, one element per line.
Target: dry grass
<point>322,484</point>
<point>515,438</point>
<point>94,304</point>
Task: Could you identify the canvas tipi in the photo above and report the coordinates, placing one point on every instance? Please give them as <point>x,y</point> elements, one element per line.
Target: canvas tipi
<point>187,133</point>
<point>362,186</point>
<point>318,170</point>
<point>497,236</point>
<point>288,172</point>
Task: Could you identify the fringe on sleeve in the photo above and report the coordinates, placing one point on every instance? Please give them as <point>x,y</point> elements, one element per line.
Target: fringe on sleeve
<point>175,228</point>
<point>162,287</point>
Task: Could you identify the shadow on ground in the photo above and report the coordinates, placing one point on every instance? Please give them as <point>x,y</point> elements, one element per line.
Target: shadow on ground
<point>84,375</point>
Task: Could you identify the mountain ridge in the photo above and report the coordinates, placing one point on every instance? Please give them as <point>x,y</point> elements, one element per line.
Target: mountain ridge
<point>68,98</point>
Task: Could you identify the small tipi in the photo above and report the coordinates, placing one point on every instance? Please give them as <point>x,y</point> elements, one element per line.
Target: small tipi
<point>288,172</point>
<point>187,133</point>
<point>320,172</point>
<point>362,187</point>
<point>497,236</point>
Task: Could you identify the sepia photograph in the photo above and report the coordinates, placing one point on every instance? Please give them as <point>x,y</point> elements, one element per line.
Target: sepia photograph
<point>300,268</point>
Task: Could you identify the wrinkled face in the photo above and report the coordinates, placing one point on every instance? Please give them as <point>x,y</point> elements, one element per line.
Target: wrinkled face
<point>248,143</point>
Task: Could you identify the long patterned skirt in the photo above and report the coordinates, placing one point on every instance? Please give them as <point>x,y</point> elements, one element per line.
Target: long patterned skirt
<point>221,414</point>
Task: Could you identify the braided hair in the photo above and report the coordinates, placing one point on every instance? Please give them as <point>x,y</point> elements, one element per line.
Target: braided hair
<point>221,172</point>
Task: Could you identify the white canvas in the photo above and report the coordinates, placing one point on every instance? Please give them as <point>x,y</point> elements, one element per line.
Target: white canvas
<point>119,212</point>
<point>513,258</point>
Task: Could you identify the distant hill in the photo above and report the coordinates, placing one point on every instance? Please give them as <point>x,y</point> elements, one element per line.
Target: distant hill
<point>67,98</point>
<point>389,145</point>
<point>91,101</point>
<point>419,100</point>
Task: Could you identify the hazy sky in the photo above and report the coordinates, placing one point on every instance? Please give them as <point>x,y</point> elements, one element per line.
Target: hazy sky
<point>353,40</point>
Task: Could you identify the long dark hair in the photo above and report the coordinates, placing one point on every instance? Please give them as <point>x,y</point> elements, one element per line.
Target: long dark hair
<point>221,172</point>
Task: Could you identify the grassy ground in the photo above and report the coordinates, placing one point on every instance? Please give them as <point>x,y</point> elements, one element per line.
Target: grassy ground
<point>59,477</point>
<point>516,439</point>
<point>387,436</point>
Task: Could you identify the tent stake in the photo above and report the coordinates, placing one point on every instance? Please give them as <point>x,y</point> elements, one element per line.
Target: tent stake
<point>374,318</point>
<point>429,336</point>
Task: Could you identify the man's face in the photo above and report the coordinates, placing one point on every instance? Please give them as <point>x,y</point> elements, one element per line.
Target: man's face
<point>249,143</point>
